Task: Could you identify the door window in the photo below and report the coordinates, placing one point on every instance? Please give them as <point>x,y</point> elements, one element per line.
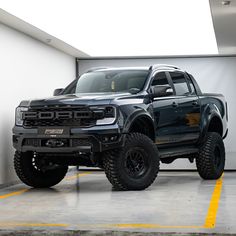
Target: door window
<point>160,79</point>
<point>180,84</point>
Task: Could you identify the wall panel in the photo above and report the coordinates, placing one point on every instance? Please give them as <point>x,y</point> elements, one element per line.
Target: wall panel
<point>28,69</point>
<point>214,74</point>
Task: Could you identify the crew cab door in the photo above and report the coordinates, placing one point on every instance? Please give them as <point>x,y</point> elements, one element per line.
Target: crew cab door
<point>188,107</point>
<point>165,112</point>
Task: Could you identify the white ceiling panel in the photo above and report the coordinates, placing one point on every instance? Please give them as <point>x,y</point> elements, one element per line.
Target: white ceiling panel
<point>123,27</point>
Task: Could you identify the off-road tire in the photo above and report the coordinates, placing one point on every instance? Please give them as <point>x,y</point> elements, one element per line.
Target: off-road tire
<point>115,163</point>
<point>35,178</point>
<point>211,159</point>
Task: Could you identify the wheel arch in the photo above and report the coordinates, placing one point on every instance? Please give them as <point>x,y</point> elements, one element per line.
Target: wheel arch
<point>215,125</point>
<point>211,121</point>
<point>144,124</point>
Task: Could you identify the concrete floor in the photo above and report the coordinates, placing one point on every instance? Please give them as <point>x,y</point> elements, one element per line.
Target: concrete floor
<point>176,202</point>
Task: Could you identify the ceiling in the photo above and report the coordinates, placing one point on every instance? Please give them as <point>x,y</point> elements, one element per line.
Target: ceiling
<point>127,28</point>
<point>34,32</point>
<point>224,20</point>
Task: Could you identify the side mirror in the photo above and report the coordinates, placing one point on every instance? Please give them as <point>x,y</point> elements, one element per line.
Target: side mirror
<point>57,92</point>
<point>161,91</point>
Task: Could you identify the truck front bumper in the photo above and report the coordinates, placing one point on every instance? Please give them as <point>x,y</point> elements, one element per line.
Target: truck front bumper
<point>77,140</point>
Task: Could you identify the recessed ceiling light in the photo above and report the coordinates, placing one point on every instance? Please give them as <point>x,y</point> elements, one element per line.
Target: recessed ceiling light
<point>226,3</point>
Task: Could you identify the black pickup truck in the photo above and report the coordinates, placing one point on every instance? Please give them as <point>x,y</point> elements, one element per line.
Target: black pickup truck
<point>125,121</point>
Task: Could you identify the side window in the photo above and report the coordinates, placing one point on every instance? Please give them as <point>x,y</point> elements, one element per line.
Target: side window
<point>180,84</point>
<point>160,79</point>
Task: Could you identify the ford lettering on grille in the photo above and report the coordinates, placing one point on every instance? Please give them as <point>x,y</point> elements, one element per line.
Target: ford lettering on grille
<point>60,115</point>
<point>73,117</point>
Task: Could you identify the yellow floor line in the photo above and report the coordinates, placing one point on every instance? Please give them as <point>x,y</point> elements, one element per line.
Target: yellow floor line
<point>77,175</point>
<point>210,220</point>
<point>153,226</point>
<point>25,190</point>
<point>13,193</point>
<point>2,224</point>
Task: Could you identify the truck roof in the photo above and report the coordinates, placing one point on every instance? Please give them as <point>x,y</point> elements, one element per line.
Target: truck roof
<point>152,67</point>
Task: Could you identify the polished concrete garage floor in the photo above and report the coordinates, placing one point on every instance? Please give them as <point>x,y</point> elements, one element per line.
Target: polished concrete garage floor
<point>177,202</point>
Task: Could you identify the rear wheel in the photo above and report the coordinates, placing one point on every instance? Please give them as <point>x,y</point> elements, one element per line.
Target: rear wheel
<point>211,159</point>
<point>135,166</point>
<point>36,171</point>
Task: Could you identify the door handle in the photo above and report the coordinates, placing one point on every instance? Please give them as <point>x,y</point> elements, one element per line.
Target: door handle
<point>175,104</point>
<point>194,103</point>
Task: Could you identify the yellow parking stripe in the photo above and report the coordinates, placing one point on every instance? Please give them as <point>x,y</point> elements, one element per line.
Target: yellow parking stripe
<point>25,190</point>
<point>13,193</point>
<point>77,175</point>
<point>210,221</point>
<point>153,226</point>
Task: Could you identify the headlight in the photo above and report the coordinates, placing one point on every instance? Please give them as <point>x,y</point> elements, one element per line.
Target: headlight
<point>19,112</point>
<point>108,117</point>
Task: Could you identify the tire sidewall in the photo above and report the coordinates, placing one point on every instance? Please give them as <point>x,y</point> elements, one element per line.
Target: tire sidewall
<point>34,178</point>
<point>220,145</point>
<point>152,156</point>
<point>206,162</point>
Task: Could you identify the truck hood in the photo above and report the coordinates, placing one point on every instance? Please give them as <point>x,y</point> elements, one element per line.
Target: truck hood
<point>77,99</point>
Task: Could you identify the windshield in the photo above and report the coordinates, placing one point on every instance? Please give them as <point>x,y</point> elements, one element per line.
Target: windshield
<point>110,81</point>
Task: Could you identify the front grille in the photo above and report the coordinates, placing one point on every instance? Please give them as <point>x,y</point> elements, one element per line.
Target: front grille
<point>73,123</point>
<point>80,142</point>
<point>31,142</point>
<point>80,116</point>
<point>75,142</point>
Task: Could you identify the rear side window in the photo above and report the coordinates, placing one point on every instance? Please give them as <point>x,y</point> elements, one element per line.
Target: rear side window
<point>180,84</point>
<point>160,79</point>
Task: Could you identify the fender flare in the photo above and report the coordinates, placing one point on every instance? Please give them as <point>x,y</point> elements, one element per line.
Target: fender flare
<point>140,115</point>
<point>208,114</point>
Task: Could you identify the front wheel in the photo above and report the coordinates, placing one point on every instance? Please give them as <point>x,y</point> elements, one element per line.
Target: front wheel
<point>133,167</point>
<point>37,172</point>
<point>211,159</point>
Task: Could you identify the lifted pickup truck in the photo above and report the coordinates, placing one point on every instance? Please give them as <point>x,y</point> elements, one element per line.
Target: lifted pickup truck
<point>124,120</point>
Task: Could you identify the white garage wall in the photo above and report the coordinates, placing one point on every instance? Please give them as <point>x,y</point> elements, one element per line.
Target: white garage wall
<point>28,69</point>
<point>214,74</point>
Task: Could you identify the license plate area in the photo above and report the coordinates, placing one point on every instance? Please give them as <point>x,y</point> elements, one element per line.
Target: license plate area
<point>54,132</point>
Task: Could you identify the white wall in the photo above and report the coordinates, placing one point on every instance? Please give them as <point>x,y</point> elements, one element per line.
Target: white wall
<point>28,69</point>
<point>214,74</point>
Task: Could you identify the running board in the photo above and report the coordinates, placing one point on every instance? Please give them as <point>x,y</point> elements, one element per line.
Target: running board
<point>173,152</point>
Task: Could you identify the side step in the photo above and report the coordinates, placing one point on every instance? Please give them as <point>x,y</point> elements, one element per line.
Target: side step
<point>179,151</point>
